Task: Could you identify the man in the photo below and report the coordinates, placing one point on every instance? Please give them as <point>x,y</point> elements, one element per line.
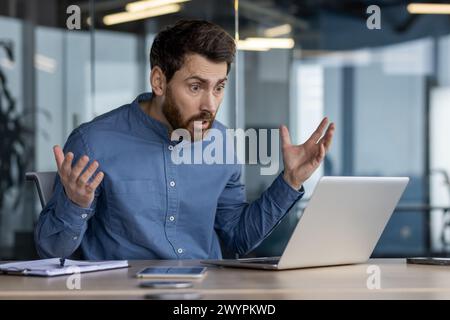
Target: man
<point>119,195</point>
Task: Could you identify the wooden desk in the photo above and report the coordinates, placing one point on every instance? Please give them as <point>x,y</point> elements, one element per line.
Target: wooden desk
<point>398,281</point>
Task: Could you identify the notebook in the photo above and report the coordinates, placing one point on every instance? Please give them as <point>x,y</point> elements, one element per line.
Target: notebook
<point>51,267</point>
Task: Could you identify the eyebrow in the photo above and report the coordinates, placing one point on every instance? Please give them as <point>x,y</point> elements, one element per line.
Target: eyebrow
<point>205,80</point>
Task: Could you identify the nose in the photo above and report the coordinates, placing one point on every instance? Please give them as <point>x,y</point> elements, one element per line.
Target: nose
<point>209,103</point>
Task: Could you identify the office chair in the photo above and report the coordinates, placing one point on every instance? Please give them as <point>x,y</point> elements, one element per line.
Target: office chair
<point>44,184</point>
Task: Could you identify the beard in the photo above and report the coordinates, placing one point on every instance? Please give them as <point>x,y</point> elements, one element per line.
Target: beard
<point>173,115</point>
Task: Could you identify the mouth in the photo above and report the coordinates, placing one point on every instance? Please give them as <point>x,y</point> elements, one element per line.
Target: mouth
<point>201,124</point>
<point>205,124</point>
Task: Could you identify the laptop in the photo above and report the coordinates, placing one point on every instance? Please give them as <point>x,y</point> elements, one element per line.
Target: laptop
<point>341,224</point>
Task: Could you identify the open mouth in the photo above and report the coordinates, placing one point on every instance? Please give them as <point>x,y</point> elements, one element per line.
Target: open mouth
<point>202,124</point>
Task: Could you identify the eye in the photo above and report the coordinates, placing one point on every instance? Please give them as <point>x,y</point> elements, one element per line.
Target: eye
<point>195,87</point>
<point>220,88</point>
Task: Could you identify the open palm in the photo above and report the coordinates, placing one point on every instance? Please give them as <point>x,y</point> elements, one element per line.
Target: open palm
<point>300,161</point>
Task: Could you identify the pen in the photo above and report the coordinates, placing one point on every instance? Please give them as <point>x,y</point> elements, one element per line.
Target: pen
<point>61,262</point>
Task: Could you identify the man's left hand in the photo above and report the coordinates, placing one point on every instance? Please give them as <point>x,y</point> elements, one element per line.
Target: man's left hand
<point>300,161</point>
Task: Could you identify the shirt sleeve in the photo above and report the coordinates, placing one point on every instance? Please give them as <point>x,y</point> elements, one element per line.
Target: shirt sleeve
<point>243,226</point>
<point>62,224</point>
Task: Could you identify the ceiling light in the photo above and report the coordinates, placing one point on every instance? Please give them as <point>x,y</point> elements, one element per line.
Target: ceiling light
<point>122,17</point>
<point>147,4</point>
<point>272,43</point>
<point>428,8</point>
<point>278,30</point>
<point>243,45</point>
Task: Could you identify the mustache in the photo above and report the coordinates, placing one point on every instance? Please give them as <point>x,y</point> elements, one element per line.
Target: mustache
<point>202,116</point>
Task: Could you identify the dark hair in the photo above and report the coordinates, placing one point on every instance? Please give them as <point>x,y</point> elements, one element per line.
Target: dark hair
<point>190,36</point>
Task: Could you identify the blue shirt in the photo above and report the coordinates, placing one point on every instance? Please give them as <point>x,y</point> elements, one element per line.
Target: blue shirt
<point>147,206</point>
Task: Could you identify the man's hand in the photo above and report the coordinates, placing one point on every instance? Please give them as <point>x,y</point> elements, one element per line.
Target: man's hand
<point>300,161</point>
<point>76,184</point>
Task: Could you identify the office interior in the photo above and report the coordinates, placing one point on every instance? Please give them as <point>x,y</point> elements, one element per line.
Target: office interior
<point>387,89</point>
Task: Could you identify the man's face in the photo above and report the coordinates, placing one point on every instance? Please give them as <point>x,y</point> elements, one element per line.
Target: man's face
<point>194,94</point>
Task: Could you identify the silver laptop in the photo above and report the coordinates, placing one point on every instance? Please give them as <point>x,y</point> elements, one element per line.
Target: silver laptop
<point>341,224</point>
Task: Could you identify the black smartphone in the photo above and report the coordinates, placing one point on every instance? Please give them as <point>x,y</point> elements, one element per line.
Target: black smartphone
<point>429,261</point>
<point>172,272</point>
<point>166,284</point>
<point>174,296</point>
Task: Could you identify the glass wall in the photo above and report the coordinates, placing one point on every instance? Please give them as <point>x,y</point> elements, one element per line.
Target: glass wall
<point>380,87</point>
<point>65,70</point>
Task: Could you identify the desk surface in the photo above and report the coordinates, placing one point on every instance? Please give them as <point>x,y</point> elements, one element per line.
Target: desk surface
<point>398,281</point>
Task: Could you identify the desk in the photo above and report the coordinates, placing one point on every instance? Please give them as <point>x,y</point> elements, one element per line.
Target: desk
<point>398,281</point>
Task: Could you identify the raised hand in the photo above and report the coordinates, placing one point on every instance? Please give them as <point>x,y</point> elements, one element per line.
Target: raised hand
<point>77,185</point>
<point>300,161</point>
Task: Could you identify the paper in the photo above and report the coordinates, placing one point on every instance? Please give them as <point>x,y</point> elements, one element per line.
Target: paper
<point>51,267</point>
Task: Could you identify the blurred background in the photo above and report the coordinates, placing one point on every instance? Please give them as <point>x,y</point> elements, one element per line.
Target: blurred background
<point>382,74</point>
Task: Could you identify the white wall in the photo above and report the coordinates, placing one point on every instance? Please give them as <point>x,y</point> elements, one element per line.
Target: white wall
<point>309,107</point>
<point>439,158</point>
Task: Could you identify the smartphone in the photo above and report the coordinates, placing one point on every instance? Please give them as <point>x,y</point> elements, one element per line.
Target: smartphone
<point>174,296</point>
<point>166,284</point>
<point>172,272</point>
<point>427,260</point>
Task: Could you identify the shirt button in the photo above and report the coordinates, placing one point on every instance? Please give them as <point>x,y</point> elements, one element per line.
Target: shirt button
<point>170,148</point>
<point>172,183</point>
<point>180,250</point>
<point>75,238</point>
<point>171,218</point>
<point>84,216</point>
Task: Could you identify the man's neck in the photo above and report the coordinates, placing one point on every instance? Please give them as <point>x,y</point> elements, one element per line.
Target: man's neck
<point>153,108</point>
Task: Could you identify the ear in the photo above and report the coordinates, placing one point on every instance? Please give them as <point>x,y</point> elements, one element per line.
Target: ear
<point>158,81</point>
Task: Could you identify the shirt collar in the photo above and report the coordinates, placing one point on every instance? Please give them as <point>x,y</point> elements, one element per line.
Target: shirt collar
<point>157,126</point>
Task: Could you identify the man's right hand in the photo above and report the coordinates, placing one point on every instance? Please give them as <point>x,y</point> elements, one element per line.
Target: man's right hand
<point>76,185</point>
